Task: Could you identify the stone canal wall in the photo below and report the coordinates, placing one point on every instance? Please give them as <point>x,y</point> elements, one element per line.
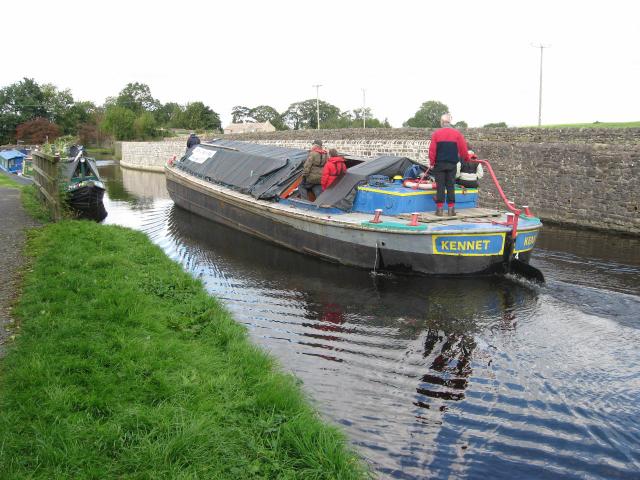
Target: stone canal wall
<point>579,177</point>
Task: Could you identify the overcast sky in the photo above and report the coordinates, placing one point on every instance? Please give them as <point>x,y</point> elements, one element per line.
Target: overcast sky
<point>475,56</point>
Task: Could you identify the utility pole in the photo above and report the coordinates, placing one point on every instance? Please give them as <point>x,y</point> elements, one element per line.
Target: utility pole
<point>541,47</point>
<point>364,111</point>
<point>317,87</point>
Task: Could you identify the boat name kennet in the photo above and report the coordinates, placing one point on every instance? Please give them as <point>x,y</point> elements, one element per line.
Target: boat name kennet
<point>491,244</point>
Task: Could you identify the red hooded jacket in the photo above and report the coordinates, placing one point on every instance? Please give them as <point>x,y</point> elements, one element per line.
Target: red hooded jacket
<point>332,171</point>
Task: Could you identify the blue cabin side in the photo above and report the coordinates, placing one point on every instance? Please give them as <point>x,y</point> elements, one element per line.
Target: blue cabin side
<point>394,199</point>
<point>11,161</point>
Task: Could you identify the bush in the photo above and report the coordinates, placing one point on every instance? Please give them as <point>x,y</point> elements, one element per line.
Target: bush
<point>118,122</point>
<point>38,130</point>
<point>144,126</point>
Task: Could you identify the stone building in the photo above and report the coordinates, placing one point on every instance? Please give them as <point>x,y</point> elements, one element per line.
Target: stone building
<point>235,128</point>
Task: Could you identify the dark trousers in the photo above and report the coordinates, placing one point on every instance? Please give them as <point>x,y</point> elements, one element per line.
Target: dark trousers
<point>304,189</point>
<point>445,174</point>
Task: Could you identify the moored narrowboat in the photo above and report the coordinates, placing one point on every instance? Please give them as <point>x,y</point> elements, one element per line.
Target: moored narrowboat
<point>375,217</point>
<point>83,185</point>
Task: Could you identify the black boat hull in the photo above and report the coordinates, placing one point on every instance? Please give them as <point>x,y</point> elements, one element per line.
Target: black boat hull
<point>87,202</point>
<point>379,257</point>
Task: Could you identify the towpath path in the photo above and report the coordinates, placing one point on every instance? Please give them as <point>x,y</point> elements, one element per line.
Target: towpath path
<point>13,223</point>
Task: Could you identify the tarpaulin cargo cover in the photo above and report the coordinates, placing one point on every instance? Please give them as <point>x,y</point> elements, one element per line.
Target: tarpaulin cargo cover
<point>261,171</point>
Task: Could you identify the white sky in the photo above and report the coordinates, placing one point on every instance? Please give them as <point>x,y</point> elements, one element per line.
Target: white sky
<point>475,56</point>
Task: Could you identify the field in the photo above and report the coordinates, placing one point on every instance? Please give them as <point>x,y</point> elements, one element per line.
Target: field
<point>596,125</point>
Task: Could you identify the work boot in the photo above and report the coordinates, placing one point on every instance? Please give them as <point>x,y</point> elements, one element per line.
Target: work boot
<point>452,211</point>
<point>439,212</point>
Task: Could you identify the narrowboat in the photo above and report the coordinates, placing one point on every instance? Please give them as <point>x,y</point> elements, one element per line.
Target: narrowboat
<point>11,161</point>
<point>83,186</point>
<point>375,217</point>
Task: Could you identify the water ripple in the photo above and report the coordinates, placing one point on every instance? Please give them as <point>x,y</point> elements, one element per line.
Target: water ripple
<point>435,378</point>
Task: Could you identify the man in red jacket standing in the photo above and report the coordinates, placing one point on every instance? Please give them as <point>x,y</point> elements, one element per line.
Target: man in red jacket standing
<point>446,148</point>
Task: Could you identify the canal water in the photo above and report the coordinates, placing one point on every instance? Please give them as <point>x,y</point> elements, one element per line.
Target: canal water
<point>435,378</point>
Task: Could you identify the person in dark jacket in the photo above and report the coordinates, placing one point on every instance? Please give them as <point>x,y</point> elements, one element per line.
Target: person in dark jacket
<point>312,171</point>
<point>193,140</point>
<point>333,169</point>
<point>447,147</point>
<point>468,173</point>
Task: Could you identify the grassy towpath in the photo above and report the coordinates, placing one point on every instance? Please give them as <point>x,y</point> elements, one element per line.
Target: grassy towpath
<point>126,368</point>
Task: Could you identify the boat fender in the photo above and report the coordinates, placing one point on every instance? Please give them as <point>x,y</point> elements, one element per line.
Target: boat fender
<point>412,183</point>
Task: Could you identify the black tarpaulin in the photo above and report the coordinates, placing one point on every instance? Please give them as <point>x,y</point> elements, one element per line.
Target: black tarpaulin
<point>262,171</point>
<point>342,194</point>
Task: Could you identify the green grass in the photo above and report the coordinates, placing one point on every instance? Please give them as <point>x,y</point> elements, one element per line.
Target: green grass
<point>7,181</point>
<point>125,367</point>
<point>101,153</point>
<point>596,125</point>
<point>33,205</point>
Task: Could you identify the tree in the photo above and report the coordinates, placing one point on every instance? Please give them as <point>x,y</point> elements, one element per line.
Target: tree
<point>495,125</point>
<point>348,119</point>
<point>20,102</point>
<point>64,111</point>
<point>197,116</point>
<point>37,131</point>
<point>88,134</point>
<point>428,116</point>
<point>240,114</point>
<point>461,124</point>
<point>144,127</point>
<point>301,115</point>
<point>118,121</point>
<point>137,98</point>
<point>168,115</point>
<point>265,113</point>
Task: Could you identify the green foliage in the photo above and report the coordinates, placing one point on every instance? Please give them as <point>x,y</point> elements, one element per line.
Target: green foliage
<point>169,114</point>
<point>33,205</point>
<point>20,102</point>
<point>261,114</point>
<point>495,125</point>
<point>303,115</point>
<point>26,101</point>
<point>461,124</point>
<point>126,368</point>
<point>240,114</point>
<point>197,116</point>
<point>265,113</point>
<point>353,119</point>
<point>60,145</point>
<point>100,153</point>
<point>144,127</point>
<point>118,122</point>
<point>6,180</point>
<point>428,116</point>
<point>63,110</point>
<point>137,98</point>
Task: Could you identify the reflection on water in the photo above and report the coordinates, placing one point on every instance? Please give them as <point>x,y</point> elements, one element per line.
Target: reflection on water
<point>441,378</point>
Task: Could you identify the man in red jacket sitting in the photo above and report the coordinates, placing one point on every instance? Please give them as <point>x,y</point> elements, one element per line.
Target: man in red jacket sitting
<point>447,147</point>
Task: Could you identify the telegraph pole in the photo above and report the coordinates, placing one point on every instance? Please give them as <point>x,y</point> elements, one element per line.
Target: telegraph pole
<point>541,47</point>
<point>364,114</point>
<point>317,87</point>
